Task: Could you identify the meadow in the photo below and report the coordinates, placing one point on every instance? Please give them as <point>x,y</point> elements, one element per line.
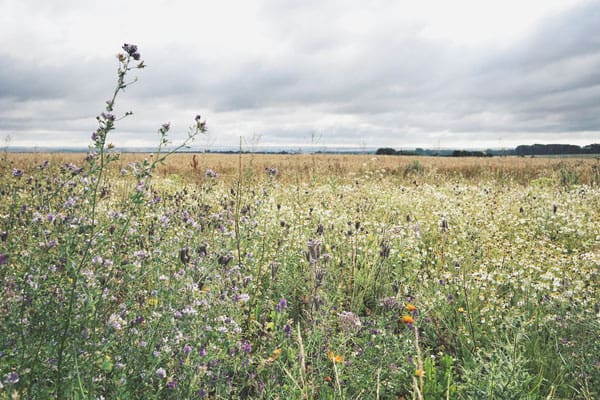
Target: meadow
<point>192,276</point>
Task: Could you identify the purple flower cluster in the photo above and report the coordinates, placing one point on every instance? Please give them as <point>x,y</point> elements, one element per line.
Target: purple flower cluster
<point>132,51</point>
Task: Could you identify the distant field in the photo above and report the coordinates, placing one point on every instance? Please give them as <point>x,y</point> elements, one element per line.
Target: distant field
<point>299,168</point>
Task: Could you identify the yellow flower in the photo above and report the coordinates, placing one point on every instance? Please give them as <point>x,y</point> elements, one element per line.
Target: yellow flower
<point>419,373</point>
<point>407,319</point>
<point>411,307</point>
<point>461,310</point>
<point>153,301</point>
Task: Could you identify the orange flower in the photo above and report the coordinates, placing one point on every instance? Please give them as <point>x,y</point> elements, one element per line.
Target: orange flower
<point>275,354</point>
<point>411,307</point>
<point>335,358</point>
<point>407,319</point>
<point>328,378</point>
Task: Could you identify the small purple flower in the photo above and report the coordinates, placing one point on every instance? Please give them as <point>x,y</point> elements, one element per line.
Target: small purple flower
<point>172,384</point>
<point>74,168</point>
<point>245,346</point>
<point>287,330</point>
<point>243,297</point>
<point>202,351</point>
<point>271,171</point>
<point>161,373</point>
<point>390,303</point>
<point>108,116</point>
<point>282,305</point>
<point>211,173</point>
<point>11,378</point>
<point>140,254</point>
<point>17,172</point>
<point>3,259</point>
<point>69,203</point>
<point>187,349</point>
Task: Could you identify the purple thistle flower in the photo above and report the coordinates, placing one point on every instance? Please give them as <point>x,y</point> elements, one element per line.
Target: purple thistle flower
<point>11,378</point>
<point>187,349</point>
<point>287,330</point>
<point>282,305</point>
<point>3,259</point>
<point>131,49</point>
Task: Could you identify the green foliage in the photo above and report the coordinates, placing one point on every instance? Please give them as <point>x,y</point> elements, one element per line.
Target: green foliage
<point>568,176</point>
<point>414,168</point>
<point>439,379</point>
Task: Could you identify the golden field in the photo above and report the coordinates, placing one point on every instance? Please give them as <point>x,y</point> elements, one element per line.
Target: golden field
<point>296,168</point>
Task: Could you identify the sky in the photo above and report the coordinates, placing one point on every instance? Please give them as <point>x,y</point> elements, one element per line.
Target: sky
<point>305,74</point>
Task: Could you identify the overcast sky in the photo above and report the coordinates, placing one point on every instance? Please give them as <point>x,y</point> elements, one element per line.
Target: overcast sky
<point>403,74</point>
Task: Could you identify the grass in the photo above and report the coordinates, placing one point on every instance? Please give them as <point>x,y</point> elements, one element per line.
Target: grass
<point>297,277</point>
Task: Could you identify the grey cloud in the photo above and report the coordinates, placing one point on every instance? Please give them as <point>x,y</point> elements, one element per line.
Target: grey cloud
<point>390,83</point>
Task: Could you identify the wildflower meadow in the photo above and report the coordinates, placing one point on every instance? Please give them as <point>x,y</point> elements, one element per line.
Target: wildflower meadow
<point>121,281</point>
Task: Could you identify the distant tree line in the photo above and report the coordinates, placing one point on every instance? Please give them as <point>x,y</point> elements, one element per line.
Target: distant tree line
<point>547,149</point>
<point>522,150</point>
<point>465,153</point>
<point>388,151</point>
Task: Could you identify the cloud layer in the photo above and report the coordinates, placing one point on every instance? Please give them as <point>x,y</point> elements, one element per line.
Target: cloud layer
<point>347,73</point>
